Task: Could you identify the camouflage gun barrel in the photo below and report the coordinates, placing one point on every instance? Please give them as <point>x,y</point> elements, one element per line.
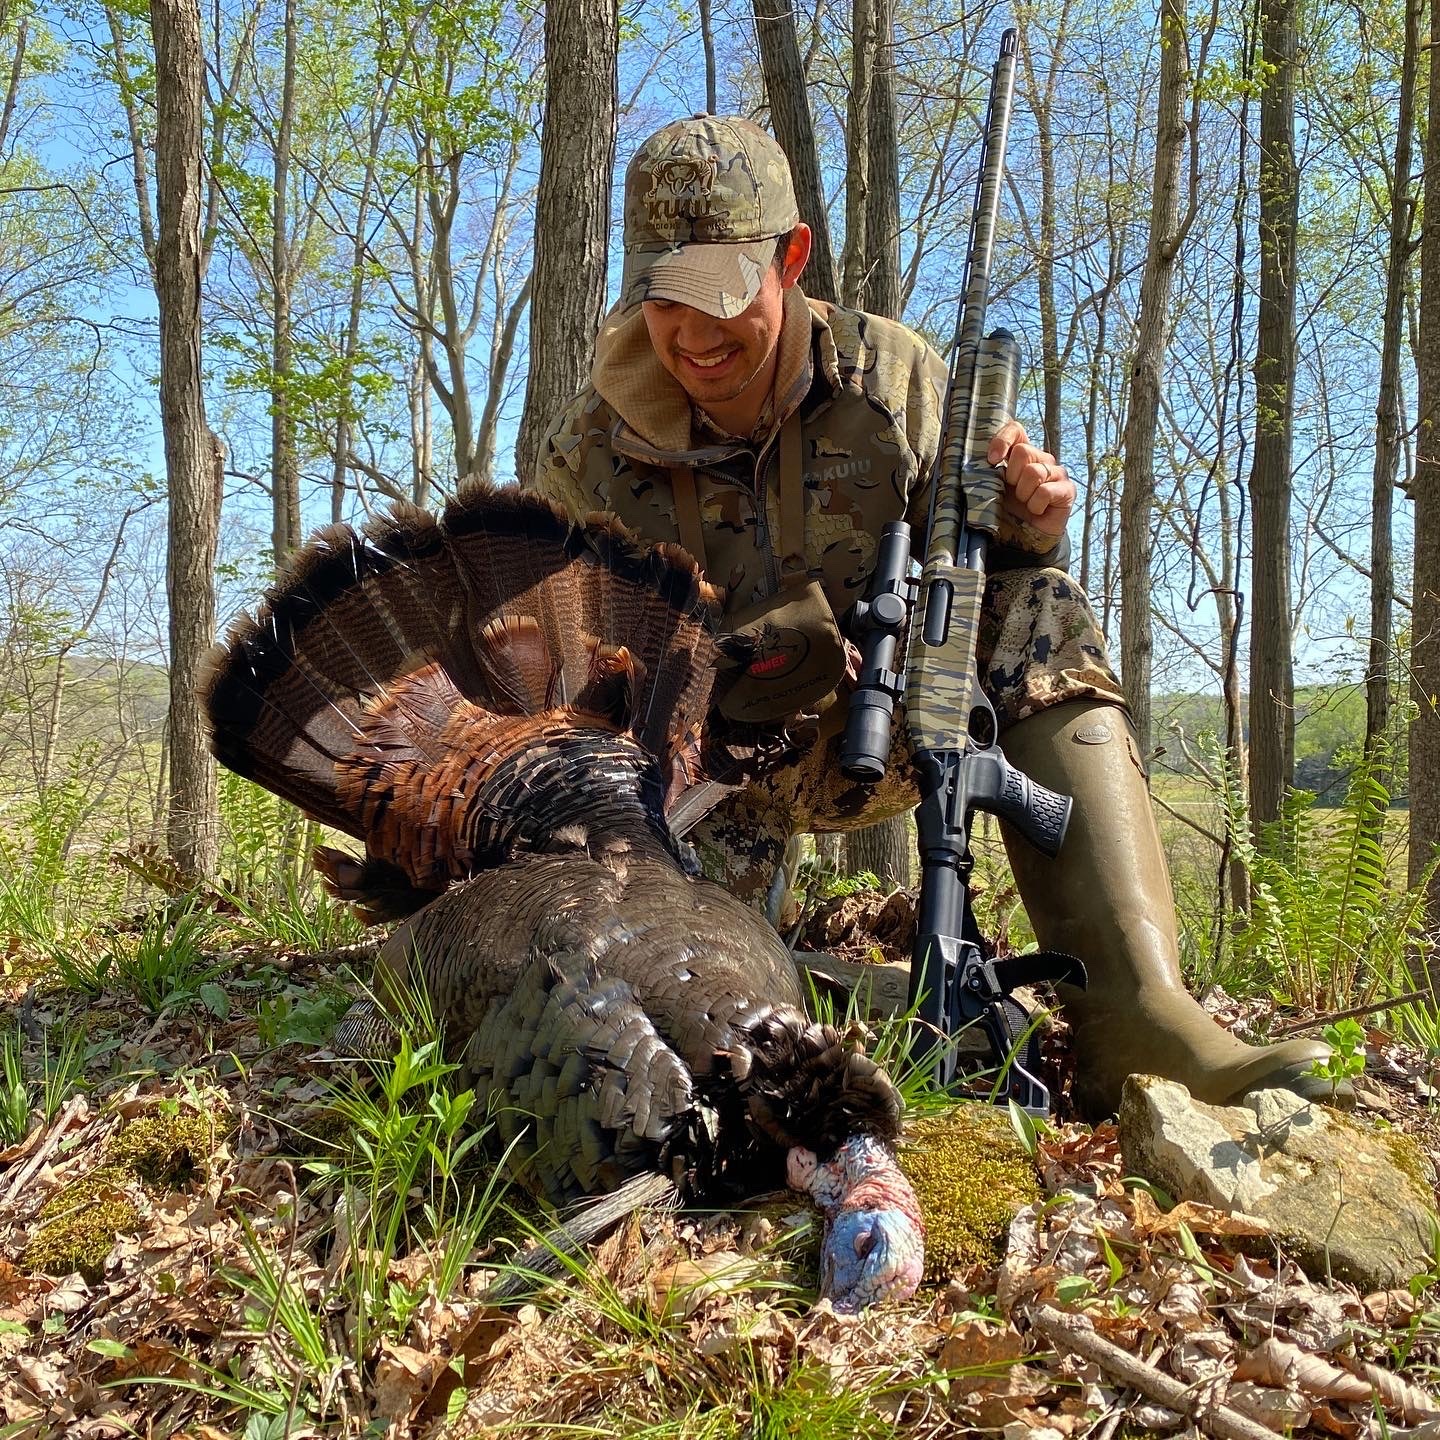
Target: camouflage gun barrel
<point>980,398</point>
<point>968,375</point>
<point>942,682</point>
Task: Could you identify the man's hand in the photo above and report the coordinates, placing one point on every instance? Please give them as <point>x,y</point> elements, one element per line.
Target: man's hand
<point>1038,490</point>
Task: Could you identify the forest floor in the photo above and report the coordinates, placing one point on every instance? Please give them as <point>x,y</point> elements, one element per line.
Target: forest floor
<point>209,1227</point>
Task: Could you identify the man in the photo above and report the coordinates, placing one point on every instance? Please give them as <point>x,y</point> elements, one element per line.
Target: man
<point>774,437</point>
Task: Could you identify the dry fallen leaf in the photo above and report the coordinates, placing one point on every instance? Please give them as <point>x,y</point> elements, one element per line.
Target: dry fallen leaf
<point>675,1290</point>
<point>1285,1366</point>
<point>402,1377</point>
<point>1390,1307</point>
<point>970,1344</point>
<point>42,1376</point>
<point>1396,1393</point>
<point>1281,1410</point>
<point>1206,1220</point>
<point>1022,1259</point>
<point>1335,1423</point>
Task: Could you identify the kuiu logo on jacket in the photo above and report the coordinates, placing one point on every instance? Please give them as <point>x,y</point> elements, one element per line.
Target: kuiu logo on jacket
<point>682,185</point>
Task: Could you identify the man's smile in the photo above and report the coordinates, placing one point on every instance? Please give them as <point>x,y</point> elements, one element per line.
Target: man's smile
<point>709,364</point>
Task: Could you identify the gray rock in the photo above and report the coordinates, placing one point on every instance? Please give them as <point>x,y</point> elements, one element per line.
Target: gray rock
<point>1343,1199</point>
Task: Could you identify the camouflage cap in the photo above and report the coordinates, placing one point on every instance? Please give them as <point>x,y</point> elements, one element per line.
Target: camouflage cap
<point>705,199</point>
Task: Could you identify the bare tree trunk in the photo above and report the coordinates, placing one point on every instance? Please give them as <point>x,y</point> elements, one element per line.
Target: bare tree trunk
<point>17,69</point>
<point>1137,499</point>
<point>790,119</point>
<point>422,429</point>
<point>1051,369</point>
<point>885,848</point>
<point>1387,409</point>
<point>351,346</point>
<point>857,152</point>
<point>284,462</point>
<point>572,210</point>
<point>1425,641</point>
<point>500,355</point>
<point>192,458</point>
<point>425,370</point>
<point>442,201</point>
<point>1272,681</point>
<point>882,207</point>
<point>1230,600</point>
<point>1097,465</point>
<point>1107,567</point>
<point>707,41</point>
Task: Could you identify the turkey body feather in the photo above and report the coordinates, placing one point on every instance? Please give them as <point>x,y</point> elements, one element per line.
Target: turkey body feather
<point>505,709</point>
<point>623,1016</point>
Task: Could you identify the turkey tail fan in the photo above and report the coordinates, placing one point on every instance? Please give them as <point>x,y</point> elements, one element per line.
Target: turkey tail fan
<point>389,671</point>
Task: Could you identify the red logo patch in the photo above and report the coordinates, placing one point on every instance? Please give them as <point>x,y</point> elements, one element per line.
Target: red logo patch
<point>778,651</point>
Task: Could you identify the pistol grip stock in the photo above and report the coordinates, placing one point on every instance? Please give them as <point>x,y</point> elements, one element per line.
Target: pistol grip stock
<point>1041,815</point>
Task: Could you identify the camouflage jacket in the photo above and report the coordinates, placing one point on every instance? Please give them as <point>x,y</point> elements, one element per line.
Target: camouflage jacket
<point>870,395</point>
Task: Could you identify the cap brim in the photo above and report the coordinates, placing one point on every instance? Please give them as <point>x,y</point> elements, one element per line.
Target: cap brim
<point>721,280</point>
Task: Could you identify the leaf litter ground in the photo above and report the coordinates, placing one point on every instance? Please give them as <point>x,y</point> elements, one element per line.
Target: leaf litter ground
<point>228,1294</point>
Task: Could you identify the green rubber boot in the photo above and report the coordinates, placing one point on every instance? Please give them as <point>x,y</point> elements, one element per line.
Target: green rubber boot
<point>1106,899</point>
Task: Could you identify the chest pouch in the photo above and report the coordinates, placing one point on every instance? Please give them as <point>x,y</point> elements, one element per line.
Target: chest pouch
<point>795,655</point>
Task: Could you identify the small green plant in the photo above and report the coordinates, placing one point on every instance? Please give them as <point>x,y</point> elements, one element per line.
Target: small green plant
<point>1428,1277</point>
<point>890,1042</point>
<point>1327,928</point>
<point>50,889</point>
<point>27,908</point>
<point>408,1176</point>
<point>14,1092</point>
<point>165,966</point>
<point>263,839</point>
<point>61,1069</point>
<point>306,1020</point>
<point>296,915</point>
<point>279,1311</point>
<point>1346,1060</point>
<point>1028,1128</point>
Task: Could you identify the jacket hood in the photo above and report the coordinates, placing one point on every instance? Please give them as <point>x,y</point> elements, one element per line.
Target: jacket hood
<point>655,418</point>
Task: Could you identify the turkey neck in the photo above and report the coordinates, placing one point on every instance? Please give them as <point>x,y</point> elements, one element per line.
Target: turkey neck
<point>572,786</point>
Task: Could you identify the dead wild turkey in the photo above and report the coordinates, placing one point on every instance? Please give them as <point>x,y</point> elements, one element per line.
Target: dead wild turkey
<point>505,709</point>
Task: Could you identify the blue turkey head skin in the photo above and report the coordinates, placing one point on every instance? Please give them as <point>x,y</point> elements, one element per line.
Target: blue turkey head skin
<point>874,1246</point>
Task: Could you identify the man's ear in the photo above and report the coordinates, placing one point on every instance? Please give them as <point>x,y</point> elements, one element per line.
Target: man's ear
<point>797,253</point>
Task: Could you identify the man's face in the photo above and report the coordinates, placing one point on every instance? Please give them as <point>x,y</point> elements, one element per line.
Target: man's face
<point>716,361</point>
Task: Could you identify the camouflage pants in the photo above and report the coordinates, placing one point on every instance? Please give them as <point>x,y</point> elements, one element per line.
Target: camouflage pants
<point>1040,645</point>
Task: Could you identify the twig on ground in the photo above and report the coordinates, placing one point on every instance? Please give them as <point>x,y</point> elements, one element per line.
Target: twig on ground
<point>1316,1022</point>
<point>27,1021</point>
<point>1072,1332</point>
<point>72,1108</point>
<point>1195,825</point>
<point>1110,1424</point>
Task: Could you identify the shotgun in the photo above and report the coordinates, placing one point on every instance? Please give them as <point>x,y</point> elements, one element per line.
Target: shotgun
<point>917,640</point>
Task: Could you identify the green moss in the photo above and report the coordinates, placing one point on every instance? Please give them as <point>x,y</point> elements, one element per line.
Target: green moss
<point>84,1219</point>
<point>165,1150</point>
<point>971,1175</point>
<point>1407,1157</point>
<point>161,1151</point>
